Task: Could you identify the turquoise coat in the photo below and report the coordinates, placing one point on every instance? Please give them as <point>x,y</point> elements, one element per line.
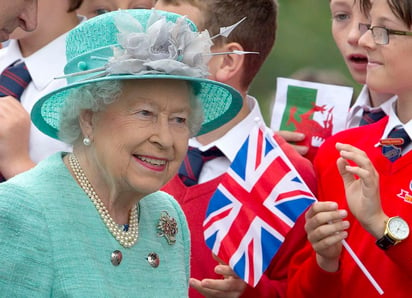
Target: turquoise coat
<point>54,244</point>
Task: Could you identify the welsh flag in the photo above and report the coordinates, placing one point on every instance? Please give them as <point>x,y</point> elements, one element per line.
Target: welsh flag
<point>315,109</point>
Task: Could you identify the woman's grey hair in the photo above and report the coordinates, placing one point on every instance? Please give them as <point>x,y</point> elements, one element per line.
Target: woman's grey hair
<point>96,96</point>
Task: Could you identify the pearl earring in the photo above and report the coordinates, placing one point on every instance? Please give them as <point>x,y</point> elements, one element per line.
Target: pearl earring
<point>87,142</point>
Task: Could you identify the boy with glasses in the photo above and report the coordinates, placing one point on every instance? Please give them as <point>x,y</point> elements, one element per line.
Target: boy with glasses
<point>365,183</point>
<point>370,106</point>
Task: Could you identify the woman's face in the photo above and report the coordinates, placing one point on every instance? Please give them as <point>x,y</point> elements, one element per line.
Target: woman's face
<point>140,140</point>
<point>346,16</point>
<point>92,8</point>
<point>390,65</point>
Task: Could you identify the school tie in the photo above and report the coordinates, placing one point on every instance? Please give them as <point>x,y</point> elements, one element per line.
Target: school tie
<point>14,79</point>
<point>369,117</point>
<point>397,140</point>
<point>192,165</point>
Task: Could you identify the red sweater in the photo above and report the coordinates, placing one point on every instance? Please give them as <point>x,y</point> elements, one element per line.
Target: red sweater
<point>392,269</point>
<point>194,201</point>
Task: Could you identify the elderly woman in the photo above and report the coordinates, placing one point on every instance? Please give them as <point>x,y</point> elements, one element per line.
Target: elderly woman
<point>92,223</point>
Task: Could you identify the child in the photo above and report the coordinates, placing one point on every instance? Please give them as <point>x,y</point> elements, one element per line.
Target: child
<point>346,16</point>
<point>365,185</point>
<point>370,105</point>
<point>22,145</point>
<point>256,34</point>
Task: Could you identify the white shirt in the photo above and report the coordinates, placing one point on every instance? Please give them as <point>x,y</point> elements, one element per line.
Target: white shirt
<point>43,65</point>
<point>362,104</point>
<point>229,144</point>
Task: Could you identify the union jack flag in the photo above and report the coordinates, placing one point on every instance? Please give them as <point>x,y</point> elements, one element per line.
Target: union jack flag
<point>255,206</point>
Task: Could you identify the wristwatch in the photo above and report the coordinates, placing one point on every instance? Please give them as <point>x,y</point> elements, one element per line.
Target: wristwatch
<point>396,230</point>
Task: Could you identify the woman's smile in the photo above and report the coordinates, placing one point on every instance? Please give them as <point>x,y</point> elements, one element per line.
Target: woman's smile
<point>152,163</point>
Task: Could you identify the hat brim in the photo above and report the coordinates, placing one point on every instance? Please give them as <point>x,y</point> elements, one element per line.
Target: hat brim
<point>220,102</point>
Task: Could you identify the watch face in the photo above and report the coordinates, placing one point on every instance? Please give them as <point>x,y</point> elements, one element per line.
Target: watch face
<point>398,228</point>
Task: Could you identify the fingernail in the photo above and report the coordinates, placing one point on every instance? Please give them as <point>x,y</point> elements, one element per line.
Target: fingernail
<point>333,205</point>
<point>343,213</point>
<point>218,270</point>
<point>305,150</point>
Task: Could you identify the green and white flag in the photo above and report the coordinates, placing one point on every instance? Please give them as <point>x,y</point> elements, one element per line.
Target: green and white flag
<point>318,110</point>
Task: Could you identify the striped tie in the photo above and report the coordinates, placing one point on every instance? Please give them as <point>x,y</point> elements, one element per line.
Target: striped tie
<point>397,140</point>
<point>192,165</point>
<point>369,117</point>
<point>14,79</point>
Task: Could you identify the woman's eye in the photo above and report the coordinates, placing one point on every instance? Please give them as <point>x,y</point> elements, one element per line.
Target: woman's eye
<point>180,120</point>
<point>145,113</point>
<point>101,11</point>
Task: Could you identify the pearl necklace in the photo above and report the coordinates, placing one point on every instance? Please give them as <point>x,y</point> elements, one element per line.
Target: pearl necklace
<point>125,238</point>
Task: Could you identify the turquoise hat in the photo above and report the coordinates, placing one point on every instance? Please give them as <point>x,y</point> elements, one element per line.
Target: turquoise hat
<point>139,44</point>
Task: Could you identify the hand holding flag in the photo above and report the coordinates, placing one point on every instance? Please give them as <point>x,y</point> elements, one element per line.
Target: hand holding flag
<point>315,109</point>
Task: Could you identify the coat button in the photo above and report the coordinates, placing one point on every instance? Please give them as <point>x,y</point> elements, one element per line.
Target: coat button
<point>153,259</point>
<point>116,258</point>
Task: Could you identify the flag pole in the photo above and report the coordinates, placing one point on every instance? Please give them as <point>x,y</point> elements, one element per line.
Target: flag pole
<point>362,267</point>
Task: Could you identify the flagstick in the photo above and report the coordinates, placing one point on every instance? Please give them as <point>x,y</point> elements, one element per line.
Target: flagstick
<point>350,251</point>
<point>362,267</point>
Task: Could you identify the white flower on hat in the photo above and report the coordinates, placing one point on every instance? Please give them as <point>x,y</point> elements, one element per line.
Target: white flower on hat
<point>165,47</point>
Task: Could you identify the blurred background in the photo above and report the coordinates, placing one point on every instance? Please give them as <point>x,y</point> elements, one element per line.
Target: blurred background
<point>303,40</point>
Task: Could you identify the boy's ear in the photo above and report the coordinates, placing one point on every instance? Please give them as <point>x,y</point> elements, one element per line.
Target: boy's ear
<point>86,123</point>
<point>230,66</point>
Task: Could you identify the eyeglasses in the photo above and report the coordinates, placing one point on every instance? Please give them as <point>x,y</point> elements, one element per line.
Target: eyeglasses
<point>381,34</point>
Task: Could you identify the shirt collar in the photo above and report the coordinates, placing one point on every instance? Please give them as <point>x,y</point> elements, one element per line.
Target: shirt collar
<point>10,54</point>
<point>362,104</point>
<point>394,121</point>
<point>363,99</point>
<point>231,142</point>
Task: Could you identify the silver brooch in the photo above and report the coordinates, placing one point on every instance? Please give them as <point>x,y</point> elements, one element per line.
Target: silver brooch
<point>167,227</point>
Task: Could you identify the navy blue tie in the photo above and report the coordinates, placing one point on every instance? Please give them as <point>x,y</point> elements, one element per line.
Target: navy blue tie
<point>14,79</point>
<point>369,117</point>
<point>397,140</point>
<point>192,165</point>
